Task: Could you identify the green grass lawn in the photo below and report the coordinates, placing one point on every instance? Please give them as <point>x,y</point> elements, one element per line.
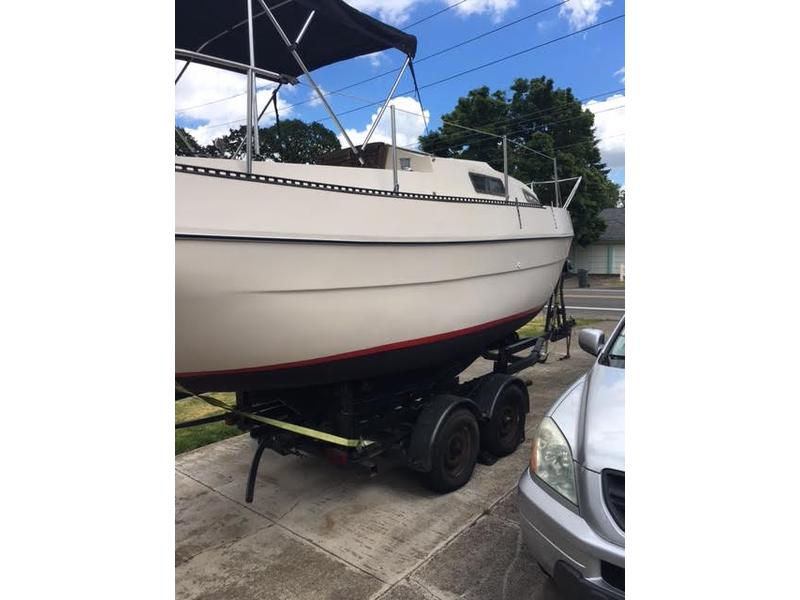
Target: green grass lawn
<point>194,408</point>
<point>194,437</point>
<point>536,327</point>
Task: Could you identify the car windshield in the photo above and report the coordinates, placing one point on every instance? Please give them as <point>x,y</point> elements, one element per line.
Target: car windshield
<point>616,355</point>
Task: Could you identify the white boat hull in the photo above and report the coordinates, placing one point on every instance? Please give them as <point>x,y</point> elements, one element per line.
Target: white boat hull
<point>372,286</point>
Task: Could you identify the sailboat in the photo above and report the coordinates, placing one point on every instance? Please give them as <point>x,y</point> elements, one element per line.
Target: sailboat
<point>377,261</point>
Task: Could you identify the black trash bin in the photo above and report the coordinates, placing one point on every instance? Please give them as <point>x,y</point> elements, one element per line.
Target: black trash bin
<point>583,278</point>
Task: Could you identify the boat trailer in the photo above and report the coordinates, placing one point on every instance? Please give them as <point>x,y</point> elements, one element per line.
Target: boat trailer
<point>428,421</point>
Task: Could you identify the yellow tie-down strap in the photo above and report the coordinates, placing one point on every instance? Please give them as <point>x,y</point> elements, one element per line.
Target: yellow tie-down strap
<point>306,431</point>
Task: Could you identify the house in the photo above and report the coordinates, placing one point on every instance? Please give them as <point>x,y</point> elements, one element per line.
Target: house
<point>607,254</point>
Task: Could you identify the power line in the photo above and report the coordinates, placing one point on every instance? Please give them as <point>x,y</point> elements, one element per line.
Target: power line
<point>519,119</point>
<point>460,73</point>
<point>237,95</point>
<point>414,24</point>
<point>608,137</point>
<point>558,148</point>
<point>539,113</point>
<point>436,14</point>
<point>465,139</point>
<point>523,118</point>
<point>417,61</point>
<point>489,64</point>
<point>449,48</point>
<point>492,31</point>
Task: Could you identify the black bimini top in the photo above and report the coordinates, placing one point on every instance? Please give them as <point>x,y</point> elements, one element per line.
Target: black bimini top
<point>337,32</point>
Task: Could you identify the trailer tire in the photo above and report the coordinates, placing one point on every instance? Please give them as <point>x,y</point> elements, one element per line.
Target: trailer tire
<point>505,430</point>
<point>454,452</point>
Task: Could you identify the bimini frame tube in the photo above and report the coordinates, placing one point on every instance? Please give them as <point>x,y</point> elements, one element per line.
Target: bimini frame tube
<point>385,104</point>
<point>291,47</point>
<point>396,184</point>
<point>231,65</point>
<point>250,87</point>
<point>273,98</point>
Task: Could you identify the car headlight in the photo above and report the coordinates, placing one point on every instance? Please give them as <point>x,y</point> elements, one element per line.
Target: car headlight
<point>551,459</point>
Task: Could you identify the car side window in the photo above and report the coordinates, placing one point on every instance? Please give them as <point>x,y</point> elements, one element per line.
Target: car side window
<point>616,355</point>
<point>484,184</point>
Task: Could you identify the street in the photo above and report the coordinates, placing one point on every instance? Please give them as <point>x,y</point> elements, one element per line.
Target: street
<point>595,303</point>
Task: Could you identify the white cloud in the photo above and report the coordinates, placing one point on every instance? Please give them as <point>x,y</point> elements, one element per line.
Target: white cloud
<point>409,126</point>
<point>582,13</point>
<point>218,96</point>
<point>394,12</point>
<point>374,58</point>
<point>620,73</point>
<point>495,8</point>
<point>398,12</point>
<point>313,96</point>
<point>609,126</point>
<point>542,26</point>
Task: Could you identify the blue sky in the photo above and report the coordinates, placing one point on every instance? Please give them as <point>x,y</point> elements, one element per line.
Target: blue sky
<point>590,63</point>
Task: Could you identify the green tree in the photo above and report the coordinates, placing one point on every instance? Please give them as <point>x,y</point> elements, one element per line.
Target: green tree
<point>292,141</point>
<point>182,137</point>
<point>546,119</point>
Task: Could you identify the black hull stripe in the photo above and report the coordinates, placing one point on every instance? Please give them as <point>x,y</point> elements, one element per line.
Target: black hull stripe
<point>428,358</point>
<point>342,189</point>
<point>251,238</point>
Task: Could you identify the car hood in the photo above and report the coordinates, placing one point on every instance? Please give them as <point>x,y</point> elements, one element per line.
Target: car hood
<point>604,419</point>
<point>592,417</point>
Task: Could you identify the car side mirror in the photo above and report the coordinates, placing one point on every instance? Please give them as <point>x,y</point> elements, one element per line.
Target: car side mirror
<point>592,340</point>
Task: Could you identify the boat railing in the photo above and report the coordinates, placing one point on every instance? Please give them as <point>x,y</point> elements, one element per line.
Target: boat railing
<point>508,146</point>
<point>542,189</point>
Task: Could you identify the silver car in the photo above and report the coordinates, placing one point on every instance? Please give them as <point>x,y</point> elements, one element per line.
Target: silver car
<point>572,497</point>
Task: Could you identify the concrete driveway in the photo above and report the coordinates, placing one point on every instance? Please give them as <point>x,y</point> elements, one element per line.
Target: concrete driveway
<point>317,531</point>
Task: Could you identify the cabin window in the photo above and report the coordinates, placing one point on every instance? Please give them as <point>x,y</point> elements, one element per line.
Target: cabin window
<point>530,197</point>
<point>405,164</point>
<point>484,184</point>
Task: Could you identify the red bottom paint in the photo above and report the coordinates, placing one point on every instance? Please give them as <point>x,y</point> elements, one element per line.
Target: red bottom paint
<point>366,351</point>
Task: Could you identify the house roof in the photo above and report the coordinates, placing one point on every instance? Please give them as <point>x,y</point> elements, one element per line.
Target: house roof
<point>615,225</point>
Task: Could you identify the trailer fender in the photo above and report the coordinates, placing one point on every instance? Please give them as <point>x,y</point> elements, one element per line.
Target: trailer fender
<point>491,389</point>
<point>428,425</point>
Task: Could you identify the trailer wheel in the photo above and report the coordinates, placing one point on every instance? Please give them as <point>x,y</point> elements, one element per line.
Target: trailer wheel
<point>504,431</point>
<point>455,452</point>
